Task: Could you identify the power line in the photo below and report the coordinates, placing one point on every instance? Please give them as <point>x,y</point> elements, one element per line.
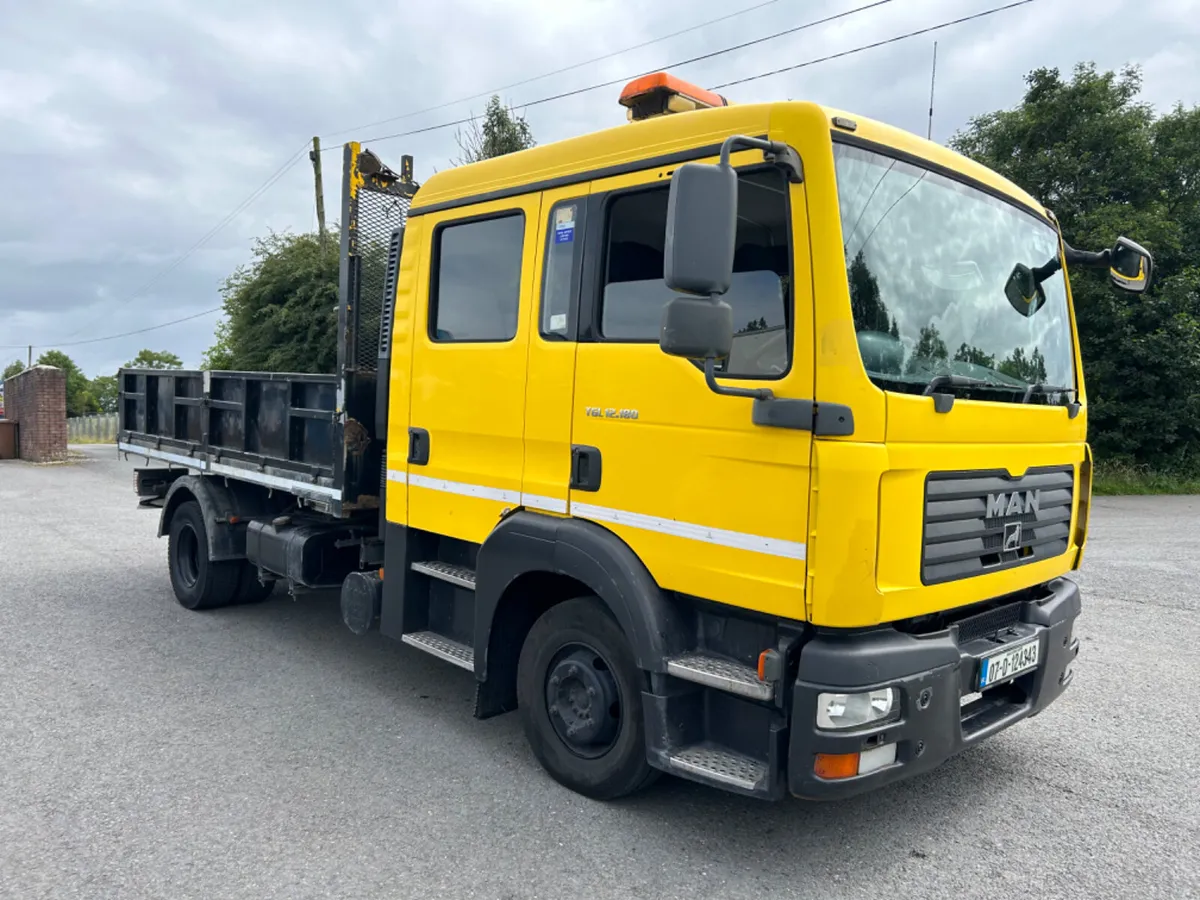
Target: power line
<point>296,156</point>
<point>892,40</point>
<point>564,69</point>
<point>112,337</point>
<point>675,65</point>
<point>207,236</point>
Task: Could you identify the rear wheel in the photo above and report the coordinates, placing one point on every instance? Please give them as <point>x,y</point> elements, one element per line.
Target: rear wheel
<point>580,695</point>
<point>250,589</point>
<point>199,582</point>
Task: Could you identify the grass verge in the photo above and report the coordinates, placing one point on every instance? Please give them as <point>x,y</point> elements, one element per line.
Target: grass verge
<point>1115,479</point>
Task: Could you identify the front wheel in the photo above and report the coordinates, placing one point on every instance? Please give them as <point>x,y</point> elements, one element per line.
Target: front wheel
<point>580,696</point>
<point>199,582</point>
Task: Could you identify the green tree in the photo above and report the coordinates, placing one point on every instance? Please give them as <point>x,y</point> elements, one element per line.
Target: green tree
<point>104,390</point>
<point>155,359</point>
<point>868,309</point>
<point>1107,165</point>
<point>930,354</point>
<point>220,355</point>
<point>16,367</point>
<point>1030,369</point>
<point>281,309</point>
<point>970,354</point>
<point>501,131</point>
<point>80,401</point>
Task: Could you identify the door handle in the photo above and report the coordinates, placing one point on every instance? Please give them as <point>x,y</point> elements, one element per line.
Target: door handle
<point>418,447</point>
<point>585,468</point>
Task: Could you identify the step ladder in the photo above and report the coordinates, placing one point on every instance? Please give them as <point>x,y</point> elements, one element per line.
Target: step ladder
<point>444,648</point>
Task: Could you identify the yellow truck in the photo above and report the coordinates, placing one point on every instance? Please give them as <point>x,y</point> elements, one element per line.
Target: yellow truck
<point>745,443</point>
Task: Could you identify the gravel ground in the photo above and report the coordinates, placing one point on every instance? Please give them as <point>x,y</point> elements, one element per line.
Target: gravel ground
<point>263,752</point>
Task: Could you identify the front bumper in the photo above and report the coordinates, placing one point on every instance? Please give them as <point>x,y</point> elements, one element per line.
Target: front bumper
<point>932,673</point>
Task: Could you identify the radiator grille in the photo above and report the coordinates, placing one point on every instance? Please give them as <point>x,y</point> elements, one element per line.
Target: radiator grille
<point>990,622</point>
<point>977,522</point>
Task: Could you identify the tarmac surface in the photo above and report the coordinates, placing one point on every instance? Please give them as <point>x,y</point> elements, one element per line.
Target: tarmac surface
<point>265,751</point>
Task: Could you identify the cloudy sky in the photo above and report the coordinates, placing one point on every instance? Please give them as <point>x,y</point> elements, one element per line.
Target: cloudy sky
<point>130,129</point>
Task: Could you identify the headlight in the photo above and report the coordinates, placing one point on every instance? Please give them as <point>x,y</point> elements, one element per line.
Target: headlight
<point>836,711</point>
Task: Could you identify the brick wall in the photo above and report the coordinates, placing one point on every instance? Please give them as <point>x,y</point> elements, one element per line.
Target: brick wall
<point>36,400</point>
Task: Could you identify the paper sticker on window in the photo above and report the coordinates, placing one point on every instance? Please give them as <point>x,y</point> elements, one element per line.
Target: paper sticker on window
<point>558,322</point>
<point>564,225</point>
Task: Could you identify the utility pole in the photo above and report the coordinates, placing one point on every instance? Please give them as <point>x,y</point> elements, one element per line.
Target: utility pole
<point>932,81</point>
<point>30,365</point>
<point>315,155</point>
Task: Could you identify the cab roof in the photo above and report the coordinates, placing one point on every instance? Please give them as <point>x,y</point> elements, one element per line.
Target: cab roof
<point>669,139</point>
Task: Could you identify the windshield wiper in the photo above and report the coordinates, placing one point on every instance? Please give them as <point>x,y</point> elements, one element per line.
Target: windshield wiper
<point>1041,388</point>
<point>943,403</point>
<point>1073,406</point>
<point>939,381</point>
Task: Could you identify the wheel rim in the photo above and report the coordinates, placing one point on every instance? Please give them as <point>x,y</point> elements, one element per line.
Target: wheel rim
<point>583,700</point>
<point>189,556</point>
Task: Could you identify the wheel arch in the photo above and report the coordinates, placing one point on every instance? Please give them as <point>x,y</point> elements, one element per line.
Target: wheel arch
<point>532,562</point>
<point>227,508</point>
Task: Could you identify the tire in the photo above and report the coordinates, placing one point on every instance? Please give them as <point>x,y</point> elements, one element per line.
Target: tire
<point>598,761</point>
<point>250,589</point>
<point>199,582</point>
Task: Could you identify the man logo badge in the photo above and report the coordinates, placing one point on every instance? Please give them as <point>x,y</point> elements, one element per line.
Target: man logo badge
<point>1014,504</point>
<point>1012,536</point>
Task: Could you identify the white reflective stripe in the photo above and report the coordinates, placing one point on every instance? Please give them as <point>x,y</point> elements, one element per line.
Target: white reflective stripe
<point>735,539</point>
<point>397,475</point>
<point>274,481</point>
<point>466,490</point>
<point>271,481</point>
<point>188,461</point>
<point>549,504</point>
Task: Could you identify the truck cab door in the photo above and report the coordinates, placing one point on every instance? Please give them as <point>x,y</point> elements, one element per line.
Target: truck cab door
<point>553,329</point>
<point>469,360</point>
<point>714,505</point>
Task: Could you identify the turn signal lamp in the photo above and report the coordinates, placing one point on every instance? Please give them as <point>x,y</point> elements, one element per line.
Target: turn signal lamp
<point>661,94</point>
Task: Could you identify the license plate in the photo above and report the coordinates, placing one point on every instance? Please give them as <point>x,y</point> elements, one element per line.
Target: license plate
<point>1008,663</point>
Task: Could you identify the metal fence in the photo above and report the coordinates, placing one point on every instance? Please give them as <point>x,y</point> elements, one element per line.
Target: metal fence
<point>101,429</point>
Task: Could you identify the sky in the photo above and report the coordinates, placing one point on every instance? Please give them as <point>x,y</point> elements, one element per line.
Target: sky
<point>131,131</point>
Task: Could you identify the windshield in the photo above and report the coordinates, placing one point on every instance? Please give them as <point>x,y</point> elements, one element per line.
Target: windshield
<point>948,280</point>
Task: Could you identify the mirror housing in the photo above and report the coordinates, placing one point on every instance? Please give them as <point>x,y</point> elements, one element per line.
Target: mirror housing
<point>1130,266</point>
<point>697,328</point>
<point>1024,291</point>
<point>701,229</point>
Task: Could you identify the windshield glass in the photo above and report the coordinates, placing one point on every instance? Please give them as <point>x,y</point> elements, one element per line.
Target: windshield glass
<point>948,280</point>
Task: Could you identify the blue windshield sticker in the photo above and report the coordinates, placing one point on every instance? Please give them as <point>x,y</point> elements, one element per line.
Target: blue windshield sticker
<point>564,225</point>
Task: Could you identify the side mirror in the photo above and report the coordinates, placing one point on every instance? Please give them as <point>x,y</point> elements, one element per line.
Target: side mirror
<point>698,260</point>
<point>1130,266</point>
<point>701,229</point>
<point>1023,291</point>
<point>697,328</point>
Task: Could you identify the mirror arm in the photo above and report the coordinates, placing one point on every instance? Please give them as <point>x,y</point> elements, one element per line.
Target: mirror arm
<point>1095,260</point>
<point>710,378</point>
<point>776,153</point>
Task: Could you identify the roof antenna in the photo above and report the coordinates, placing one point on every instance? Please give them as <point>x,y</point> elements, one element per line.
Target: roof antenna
<point>932,81</point>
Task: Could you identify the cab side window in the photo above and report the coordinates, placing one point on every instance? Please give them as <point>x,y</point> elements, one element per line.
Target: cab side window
<point>635,293</point>
<point>564,255</point>
<point>476,290</point>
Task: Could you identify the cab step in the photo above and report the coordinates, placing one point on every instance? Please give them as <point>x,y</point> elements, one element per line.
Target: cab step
<point>442,647</point>
<point>459,576</point>
<point>722,674</point>
<point>718,765</point>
